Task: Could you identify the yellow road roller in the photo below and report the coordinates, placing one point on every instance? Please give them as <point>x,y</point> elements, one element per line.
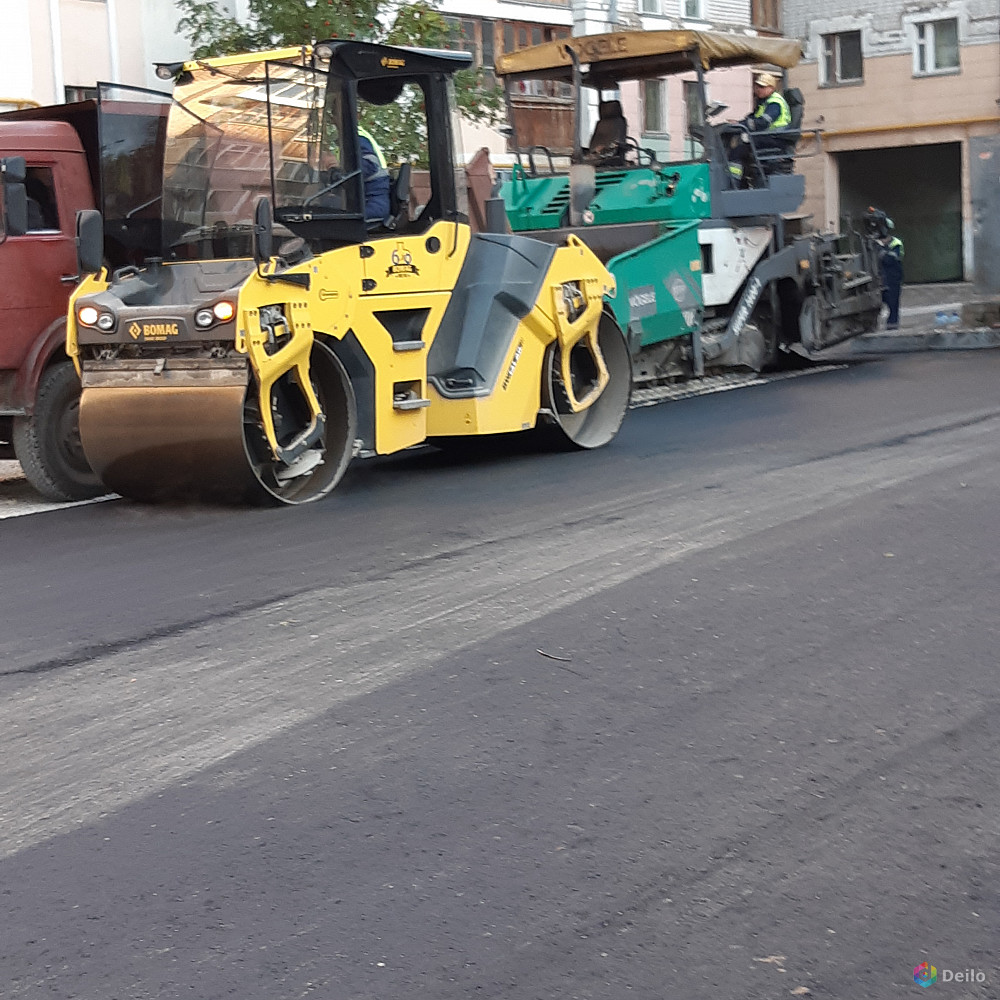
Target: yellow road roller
<point>254,317</point>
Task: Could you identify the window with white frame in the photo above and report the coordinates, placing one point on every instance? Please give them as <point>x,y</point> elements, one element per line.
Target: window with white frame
<point>694,9</point>
<point>462,36</point>
<point>935,47</point>
<point>652,7</point>
<point>694,117</point>
<point>842,61</point>
<point>654,107</point>
<point>693,111</point>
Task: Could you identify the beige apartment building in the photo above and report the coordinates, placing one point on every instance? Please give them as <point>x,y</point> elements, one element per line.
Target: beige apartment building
<point>908,100</point>
<point>658,111</point>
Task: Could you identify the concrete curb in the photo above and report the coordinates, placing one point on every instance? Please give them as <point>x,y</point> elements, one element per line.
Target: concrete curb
<point>925,340</point>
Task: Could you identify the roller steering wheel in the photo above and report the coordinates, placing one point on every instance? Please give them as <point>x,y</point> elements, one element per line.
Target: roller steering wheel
<point>335,179</point>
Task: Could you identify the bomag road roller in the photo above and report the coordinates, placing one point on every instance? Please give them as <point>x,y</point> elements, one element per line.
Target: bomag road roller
<point>714,267</point>
<point>246,330</point>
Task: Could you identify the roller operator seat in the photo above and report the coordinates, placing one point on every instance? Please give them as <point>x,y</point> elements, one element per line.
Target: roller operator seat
<point>607,144</point>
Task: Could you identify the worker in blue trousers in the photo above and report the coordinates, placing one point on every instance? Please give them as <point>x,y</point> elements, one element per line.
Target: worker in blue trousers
<point>890,259</point>
<point>891,263</point>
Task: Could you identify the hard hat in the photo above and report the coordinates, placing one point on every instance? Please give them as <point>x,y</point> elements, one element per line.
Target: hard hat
<point>765,79</point>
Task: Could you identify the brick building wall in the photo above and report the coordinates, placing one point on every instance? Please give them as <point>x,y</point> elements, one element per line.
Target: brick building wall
<point>905,95</point>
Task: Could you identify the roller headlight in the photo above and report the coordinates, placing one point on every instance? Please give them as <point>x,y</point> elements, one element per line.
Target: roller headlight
<point>105,322</point>
<point>224,311</point>
<point>221,312</point>
<point>88,315</point>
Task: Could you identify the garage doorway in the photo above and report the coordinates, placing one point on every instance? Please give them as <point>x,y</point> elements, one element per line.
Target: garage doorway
<point>920,188</point>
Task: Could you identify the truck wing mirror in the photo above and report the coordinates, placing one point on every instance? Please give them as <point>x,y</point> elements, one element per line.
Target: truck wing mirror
<point>13,197</point>
<point>263,232</point>
<point>89,241</point>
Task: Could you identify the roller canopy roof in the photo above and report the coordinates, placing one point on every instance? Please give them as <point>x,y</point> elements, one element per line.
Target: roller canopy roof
<point>369,59</point>
<point>361,60</point>
<point>636,55</point>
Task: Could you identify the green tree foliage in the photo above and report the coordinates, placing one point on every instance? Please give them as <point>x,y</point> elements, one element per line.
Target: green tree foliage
<point>275,23</point>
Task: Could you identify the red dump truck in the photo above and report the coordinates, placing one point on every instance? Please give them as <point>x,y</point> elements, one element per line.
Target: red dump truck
<point>48,162</point>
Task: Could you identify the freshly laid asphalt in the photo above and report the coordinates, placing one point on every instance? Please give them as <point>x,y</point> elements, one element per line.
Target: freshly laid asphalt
<point>705,714</point>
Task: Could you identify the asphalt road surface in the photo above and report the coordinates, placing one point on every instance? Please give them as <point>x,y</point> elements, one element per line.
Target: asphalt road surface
<point>709,713</point>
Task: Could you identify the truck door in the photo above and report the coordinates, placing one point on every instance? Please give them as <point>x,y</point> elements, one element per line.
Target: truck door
<point>45,259</point>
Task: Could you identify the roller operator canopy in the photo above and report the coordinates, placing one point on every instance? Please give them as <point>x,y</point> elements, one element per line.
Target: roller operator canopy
<point>350,59</point>
<point>637,55</point>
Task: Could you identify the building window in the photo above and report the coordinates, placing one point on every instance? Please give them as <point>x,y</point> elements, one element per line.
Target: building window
<point>936,48</point>
<point>842,62</point>
<point>74,94</point>
<point>766,14</point>
<point>654,107</point>
<point>651,7</point>
<point>468,43</point>
<point>519,35</point>
<point>693,112</point>
<point>488,31</point>
<point>692,8</point>
<point>694,117</point>
<point>462,36</point>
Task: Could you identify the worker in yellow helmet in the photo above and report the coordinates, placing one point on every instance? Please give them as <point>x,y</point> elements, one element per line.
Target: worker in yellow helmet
<point>770,112</point>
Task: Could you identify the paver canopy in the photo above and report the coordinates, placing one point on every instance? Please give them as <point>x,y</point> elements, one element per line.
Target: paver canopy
<point>634,55</point>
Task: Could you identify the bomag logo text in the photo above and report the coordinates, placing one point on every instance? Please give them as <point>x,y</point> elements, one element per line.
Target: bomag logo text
<point>153,331</point>
<point>390,63</point>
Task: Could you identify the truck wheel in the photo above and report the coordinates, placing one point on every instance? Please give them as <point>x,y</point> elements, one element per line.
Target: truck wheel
<point>47,443</point>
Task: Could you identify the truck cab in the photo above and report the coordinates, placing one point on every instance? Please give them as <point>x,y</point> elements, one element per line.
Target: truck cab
<point>39,388</point>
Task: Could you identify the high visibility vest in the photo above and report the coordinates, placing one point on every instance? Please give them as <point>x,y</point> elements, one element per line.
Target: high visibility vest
<point>895,246</point>
<point>783,119</point>
<point>375,146</point>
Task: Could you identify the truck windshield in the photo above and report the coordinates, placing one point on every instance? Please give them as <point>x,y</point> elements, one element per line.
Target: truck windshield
<point>232,135</point>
